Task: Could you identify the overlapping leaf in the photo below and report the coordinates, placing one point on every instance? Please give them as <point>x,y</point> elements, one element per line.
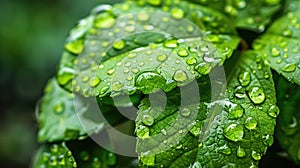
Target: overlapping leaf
<point>121,56</point>
<point>280,46</point>
<point>231,131</point>
<point>288,129</point>
<point>248,14</point>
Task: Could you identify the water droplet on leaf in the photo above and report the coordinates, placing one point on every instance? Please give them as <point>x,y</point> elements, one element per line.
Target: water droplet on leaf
<point>234,132</point>
<point>250,123</point>
<point>180,76</point>
<point>257,95</point>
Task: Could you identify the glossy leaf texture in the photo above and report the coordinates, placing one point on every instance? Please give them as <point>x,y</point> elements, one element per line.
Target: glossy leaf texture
<point>59,120</point>
<point>234,130</point>
<point>54,155</point>
<point>74,154</point>
<point>280,46</point>
<point>288,128</point>
<point>171,46</point>
<point>253,15</point>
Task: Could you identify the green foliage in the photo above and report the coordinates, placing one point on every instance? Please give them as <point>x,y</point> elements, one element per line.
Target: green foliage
<point>172,78</point>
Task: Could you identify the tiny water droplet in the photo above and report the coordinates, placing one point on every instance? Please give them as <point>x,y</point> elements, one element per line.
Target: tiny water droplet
<point>225,150</point>
<point>59,107</point>
<point>180,76</point>
<point>257,95</point>
<point>148,120</point>
<point>250,123</point>
<point>95,81</point>
<point>117,86</point>
<point>161,57</point>
<point>185,112</point>
<point>275,52</point>
<point>245,78</point>
<point>111,71</point>
<point>255,155</point>
<point>143,16</point>
<point>234,131</point>
<point>240,152</point>
<point>289,67</point>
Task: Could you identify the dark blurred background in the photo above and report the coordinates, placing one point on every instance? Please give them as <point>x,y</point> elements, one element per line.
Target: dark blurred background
<point>32,34</point>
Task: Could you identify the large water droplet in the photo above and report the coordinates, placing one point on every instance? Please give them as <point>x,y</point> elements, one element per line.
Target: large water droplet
<point>177,13</point>
<point>234,132</point>
<point>59,107</point>
<point>203,68</point>
<point>245,78</point>
<point>104,21</point>
<point>95,81</point>
<point>74,46</point>
<point>119,44</point>
<point>148,120</point>
<point>255,155</point>
<point>182,52</point>
<point>250,123</point>
<point>240,152</point>
<point>65,75</point>
<point>273,111</point>
<point>171,43</point>
<point>257,95</point>
<point>180,76</point>
<point>142,131</point>
<point>289,67</point>
<point>236,112</point>
<point>161,57</point>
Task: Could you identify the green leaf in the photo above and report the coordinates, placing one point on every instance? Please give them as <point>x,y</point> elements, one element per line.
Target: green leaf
<point>54,155</point>
<point>232,131</point>
<point>166,50</point>
<point>288,127</point>
<point>247,14</point>
<point>280,46</point>
<point>62,116</point>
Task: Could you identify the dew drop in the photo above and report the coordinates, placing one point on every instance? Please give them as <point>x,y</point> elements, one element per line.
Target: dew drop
<point>177,13</point>
<point>59,107</point>
<point>119,44</point>
<point>203,68</point>
<point>74,46</point>
<point>148,160</point>
<point>54,148</point>
<point>225,150</point>
<point>148,120</point>
<point>182,52</point>
<point>234,132</point>
<point>236,112</point>
<point>111,159</point>
<point>171,43</point>
<point>111,71</point>
<point>129,78</point>
<point>244,78</point>
<point>240,152</point>
<point>143,16</point>
<point>53,161</point>
<point>61,160</point>
<point>163,131</point>
<point>287,33</point>
<point>275,52</point>
<point>289,67</point>
<point>191,61</point>
<point>96,163</point>
<point>95,81</point>
<point>268,140</point>
<point>255,155</point>
<point>117,86</point>
<point>273,111</point>
<point>250,123</point>
<point>180,76</point>
<point>65,75</point>
<point>257,95</point>
<point>240,92</point>
<point>185,112</point>
<point>84,156</point>
<point>161,57</point>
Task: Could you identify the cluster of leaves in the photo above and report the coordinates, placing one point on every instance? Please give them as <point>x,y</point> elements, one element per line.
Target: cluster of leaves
<point>232,128</point>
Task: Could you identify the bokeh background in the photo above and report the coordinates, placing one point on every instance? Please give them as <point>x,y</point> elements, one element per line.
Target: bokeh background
<point>32,34</point>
